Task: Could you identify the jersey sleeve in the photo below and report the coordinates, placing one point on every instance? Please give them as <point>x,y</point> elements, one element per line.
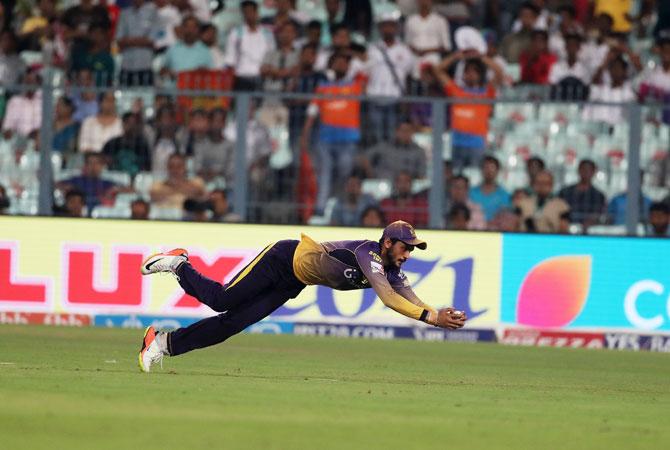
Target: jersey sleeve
<point>402,287</point>
<point>372,267</point>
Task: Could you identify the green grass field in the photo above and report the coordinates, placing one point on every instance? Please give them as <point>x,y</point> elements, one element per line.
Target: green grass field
<point>67,388</point>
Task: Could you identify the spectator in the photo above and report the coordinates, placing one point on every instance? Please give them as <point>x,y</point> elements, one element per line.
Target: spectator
<point>564,223</point>
<point>34,30</point>
<point>586,202</point>
<point>518,196</point>
<point>165,142</point>
<point>544,17</point>
<point>403,205</point>
<point>469,122</point>
<point>536,60</point>
<point>427,35</point>
<point>66,130</point>
<point>659,220</point>
<point>201,10</point>
<point>214,156</point>
<point>84,97</point>
<point>312,35</point>
<point>490,195</point>
<point>334,16</point>
<point>341,43</point>
<point>373,217</point>
<point>246,47</point>
<point>514,44</point>
<point>95,189</point>
<point>208,36</point>
<point>458,217</point>
<point>459,188</point>
<point>655,83</point>
<point>97,57</point>
<point>74,204</point>
<point>595,49</point>
<point>619,11</point>
<point>24,110</point>
<point>663,17</point>
<point>340,126</point>
<point>616,210</point>
<point>218,200</point>
<point>534,165</point>
<point>140,209</point>
<point>129,152</point>
<point>285,12</point>
<point>567,26</point>
<point>541,212</point>
<point>571,66</point>
<point>388,159</point>
<point>79,21</point>
<point>177,187</point>
<point>97,130</point>
<point>304,82</point>
<point>506,220</point>
<point>12,66</point>
<point>195,210</point>
<point>279,65</point>
<point>4,200</point>
<point>189,53</point>
<point>135,34</point>
<point>390,62</point>
<point>620,91</point>
<point>350,206</point>
<point>168,18</point>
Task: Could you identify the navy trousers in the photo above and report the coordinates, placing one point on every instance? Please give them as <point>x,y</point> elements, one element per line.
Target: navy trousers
<point>262,286</point>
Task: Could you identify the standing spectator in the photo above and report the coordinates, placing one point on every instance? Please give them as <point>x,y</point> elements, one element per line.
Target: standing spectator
<point>339,132</point>
<point>586,202</point>
<point>208,36</point>
<point>74,204</point>
<point>189,53</point>
<point>458,218</point>
<point>97,58</point>
<point>66,129</point>
<point>84,98</point>
<point>388,159</point>
<point>655,83</point>
<point>79,20</point>
<point>24,110</point>
<point>165,142</point>
<point>177,187</point>
<point>349,207</point>
<point>567,26</point>
<point>541,212</point>
<point>12,66</point>
<point>168,18</point>
<point>373,217</point>
<point>218,200</point>
<point>390,62</point>
<point>129,152</point>
<point>279,65</point>
<point>35,28</point>
<point>514,44</point>
<point>595,49</point>
<point>213,156</point>
<point>95,189</point>
<point>98,129</point>
<point>490,195</point>
<point>246,47</point>
<point>404,205</point>
<point>459,190</point>
<point>570,66</point>
<point>619,91</point>
<point>304,82</point>
<point>536,60</point>
<point>659,220</point>
<point>427,34</point>
<point>469,122</point>
<point>334,16</point>
<point>140,209</point>
<point>135,32</point>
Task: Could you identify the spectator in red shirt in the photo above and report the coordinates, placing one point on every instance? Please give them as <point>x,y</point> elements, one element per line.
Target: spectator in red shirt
<point>536,62</point>
<point>404,205</point>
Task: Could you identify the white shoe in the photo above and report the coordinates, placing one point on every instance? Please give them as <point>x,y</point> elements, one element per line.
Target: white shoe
<point>150,353</point>
<point>164,262</point>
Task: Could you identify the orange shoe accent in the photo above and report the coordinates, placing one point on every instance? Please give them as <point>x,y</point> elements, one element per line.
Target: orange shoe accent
<point>173,252</point>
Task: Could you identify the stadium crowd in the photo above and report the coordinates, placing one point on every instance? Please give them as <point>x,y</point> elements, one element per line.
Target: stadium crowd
<point>123,149</point>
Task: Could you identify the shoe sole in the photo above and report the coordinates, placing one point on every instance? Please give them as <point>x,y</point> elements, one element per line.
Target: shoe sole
<point>146,264</point>
<point>144,345</point>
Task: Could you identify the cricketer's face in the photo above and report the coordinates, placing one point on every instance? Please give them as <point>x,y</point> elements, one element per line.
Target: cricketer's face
<point>398,253</point>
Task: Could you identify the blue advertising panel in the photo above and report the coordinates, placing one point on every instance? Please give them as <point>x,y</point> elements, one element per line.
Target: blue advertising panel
<point>586,282</point>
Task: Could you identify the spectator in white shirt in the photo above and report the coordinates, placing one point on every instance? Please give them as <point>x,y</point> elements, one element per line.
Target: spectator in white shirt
<point>169,18</point>
<point>134,35</point>
<point>618,91</point>
<point>655,83</point>
<point>24,110</point>
<point>97,130</point>
<point>390,62</point>
<point>595,49</point>
<point>427,34</point>
<point>568,25</point>
<point>570,65</point>
<point>246,47</point>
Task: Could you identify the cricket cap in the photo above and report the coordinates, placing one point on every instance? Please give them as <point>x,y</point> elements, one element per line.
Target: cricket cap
<point>404,232</point>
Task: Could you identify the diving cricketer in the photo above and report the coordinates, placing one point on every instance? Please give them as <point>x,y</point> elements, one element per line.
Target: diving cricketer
<point>278,274</point>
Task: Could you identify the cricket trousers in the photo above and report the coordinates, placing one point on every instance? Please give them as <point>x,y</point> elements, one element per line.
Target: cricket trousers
<point>262,286</point>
